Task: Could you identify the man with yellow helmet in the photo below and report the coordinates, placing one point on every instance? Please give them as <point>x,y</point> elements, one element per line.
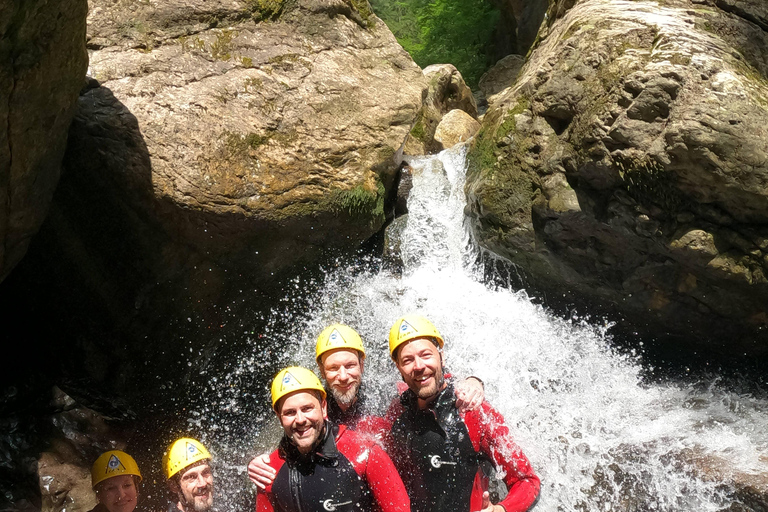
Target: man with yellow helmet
<point>439,452</point>
<point>340,356</point>
<point>320,466</point>
<point>115,477</point>
<point>187,467</point>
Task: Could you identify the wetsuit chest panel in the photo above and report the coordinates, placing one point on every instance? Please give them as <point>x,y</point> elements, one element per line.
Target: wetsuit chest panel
<point>328,485</point>
<point>442,461</point>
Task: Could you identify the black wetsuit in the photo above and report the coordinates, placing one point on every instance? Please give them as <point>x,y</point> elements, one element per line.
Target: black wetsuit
<point>434,454</point>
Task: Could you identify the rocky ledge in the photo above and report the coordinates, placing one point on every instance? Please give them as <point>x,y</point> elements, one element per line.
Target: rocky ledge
<point>628,166</point>
<point>252,134</point>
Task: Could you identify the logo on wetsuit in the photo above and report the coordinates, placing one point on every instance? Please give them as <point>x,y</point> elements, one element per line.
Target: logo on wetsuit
<point>330,506</point>
<point>435,461</point>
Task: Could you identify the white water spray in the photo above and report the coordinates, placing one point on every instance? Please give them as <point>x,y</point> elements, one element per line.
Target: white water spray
<point>597,436</point>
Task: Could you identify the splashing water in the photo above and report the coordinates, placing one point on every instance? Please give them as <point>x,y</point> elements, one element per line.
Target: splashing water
<point>599,438</point>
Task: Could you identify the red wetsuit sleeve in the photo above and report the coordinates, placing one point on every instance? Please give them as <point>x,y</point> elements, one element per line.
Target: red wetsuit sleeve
<point>373,464</point>
<point>264,498</point>
<point>490,436</point>
<point>384,480</point>
<point>263,503</point>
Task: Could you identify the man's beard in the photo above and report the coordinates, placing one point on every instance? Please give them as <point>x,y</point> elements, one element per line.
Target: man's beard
<point>437,385</point>
<point>200,504</point>
<point>347,397</point>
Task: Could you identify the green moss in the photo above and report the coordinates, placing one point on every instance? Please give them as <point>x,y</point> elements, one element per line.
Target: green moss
<point>648,182</point>
<point>359,202</point>
<point>239,144</point>
<point>482,155</point>
<point>364,8</point>
<point>265,9</point>
<point>247,62</point>
<point>419,131</point>
<point>509,124</point>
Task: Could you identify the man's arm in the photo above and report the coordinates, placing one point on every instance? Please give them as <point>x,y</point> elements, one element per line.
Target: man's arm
<point>488,429</point>
<point>384,480</point>
<point>263,503</point>
<point>260,472</point>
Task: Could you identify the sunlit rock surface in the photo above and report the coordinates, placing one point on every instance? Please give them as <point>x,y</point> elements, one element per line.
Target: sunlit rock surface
<point>456,126</point>
<point>42,51</point>
<point>241,132</point>
<point>501,75</point>
<point>629,164</point>
<point>447,91</point>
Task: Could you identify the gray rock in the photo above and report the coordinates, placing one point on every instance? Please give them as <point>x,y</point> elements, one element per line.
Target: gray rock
<point>501,75</point>
<point>627,165</point>
<point>42,48</point>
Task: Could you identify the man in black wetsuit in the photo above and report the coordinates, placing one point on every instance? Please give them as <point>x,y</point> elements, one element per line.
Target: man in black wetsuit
<point>321,466</point>
<point>439,449</point>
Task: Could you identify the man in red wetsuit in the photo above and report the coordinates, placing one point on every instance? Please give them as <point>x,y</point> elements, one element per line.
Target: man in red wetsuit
<point>438,449</point>
<point>321,466</point>
<point>340,356</point>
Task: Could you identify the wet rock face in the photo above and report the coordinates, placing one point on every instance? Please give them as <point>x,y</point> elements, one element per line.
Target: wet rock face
<point>42,50</point>
<point>447,91</point>
<point>628,164</point>
<point>243,133</point>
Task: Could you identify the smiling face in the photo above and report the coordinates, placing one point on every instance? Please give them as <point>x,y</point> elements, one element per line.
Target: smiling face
<point>196,487</point>
<point>421,366</point>
<point>343,371</point>
<point>302,415</point>
<point>118,494</point>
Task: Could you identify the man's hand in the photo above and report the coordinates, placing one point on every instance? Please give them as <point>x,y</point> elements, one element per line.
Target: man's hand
<point>260,472</point>
<point>490,507</point>
<point>469,394</point>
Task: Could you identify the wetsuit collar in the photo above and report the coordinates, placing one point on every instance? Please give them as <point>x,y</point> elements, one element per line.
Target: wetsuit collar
<point>325,449</point>
<point>445,398</point>
<point>353,413</point>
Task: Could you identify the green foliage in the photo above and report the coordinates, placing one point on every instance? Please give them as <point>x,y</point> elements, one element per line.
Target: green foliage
<point>459,32</point>
<point>265,9</point>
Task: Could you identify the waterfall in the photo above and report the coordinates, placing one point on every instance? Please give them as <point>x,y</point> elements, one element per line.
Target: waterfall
<point>599,437</point>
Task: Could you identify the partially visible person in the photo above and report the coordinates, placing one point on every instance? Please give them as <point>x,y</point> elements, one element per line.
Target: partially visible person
<point>115,477</point>
<point>187,467</point>
<point>439,450</point>
<point>320,466</point>
<point>340,356</point>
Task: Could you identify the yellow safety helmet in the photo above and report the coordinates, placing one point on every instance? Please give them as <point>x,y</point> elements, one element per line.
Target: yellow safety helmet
<point>294,378</point>
<point>410,327</point>
<point>113,463</point>
<point>183,453</point>
<point>338,336</point>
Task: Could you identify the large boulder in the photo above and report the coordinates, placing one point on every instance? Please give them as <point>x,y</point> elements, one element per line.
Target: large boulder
<point>43,56</point>
<point>447,91</point>
<point>628,165</point>
<point>247,134</point>
<point>456,126</point>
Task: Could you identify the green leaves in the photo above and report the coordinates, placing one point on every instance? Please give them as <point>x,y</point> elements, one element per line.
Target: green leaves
<point>459,32</point>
